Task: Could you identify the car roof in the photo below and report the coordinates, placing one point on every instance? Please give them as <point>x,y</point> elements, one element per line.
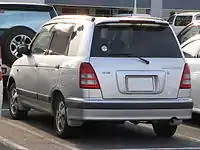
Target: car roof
<point>97,20</point>
<point>19,3</point>
<point>188,14</point>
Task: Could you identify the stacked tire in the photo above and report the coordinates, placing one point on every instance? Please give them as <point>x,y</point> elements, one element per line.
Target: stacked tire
<point>8,47</point>
<point>11,40</point>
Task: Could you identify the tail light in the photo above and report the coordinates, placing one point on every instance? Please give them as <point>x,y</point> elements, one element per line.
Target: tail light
<point>186,80</point>
<point>88,78</point>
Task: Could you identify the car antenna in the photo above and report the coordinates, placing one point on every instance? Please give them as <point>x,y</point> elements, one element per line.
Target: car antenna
<point>134,5</point>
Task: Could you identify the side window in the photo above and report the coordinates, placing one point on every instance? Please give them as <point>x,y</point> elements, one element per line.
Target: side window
<point>198,17</point>
<point>75,43</point>
<point>183,20</point>
<point>192,48</point>
<point>41,43</point>
<point>190,32</point>
<point>171,19</point>
<point>61,39</point>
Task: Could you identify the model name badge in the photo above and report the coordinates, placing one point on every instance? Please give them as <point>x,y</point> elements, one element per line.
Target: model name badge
<point>106,73</point>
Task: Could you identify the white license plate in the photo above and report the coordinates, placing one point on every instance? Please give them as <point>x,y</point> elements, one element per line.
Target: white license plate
<point>140,84</point>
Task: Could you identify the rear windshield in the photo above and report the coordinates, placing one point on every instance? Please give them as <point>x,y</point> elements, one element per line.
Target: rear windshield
<point>29,17</point>
<point>183,20</point>
<point>133,41</point>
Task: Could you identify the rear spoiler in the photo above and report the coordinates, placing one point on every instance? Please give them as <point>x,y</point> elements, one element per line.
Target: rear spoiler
<point>156,22</point>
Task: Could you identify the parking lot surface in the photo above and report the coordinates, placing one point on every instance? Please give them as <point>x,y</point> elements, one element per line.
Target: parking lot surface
<point>37,133</point>
<point>4,147</point>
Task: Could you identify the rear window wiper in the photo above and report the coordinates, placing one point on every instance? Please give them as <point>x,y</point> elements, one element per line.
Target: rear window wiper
<point>130,55</point>
<point>144,60</point>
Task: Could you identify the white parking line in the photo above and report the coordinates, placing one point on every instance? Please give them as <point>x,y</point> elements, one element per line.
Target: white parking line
<point>14,145</point>
<point>187,137</point>
<point>1,103</point>
<point>22,128</point>
<point>11,144</point>
<point>193,128</point>
<point>180,148</point>
<point>39,135</point>
<point>178,134</point>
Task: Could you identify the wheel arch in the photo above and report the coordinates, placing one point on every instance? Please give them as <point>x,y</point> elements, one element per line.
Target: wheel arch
<point>7,57</point>
<point>54,94</point>
<point>14,27</point>
<point>11,80</point>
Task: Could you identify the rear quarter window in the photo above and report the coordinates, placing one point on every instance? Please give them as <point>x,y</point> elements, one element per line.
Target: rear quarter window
<point>122,40</point>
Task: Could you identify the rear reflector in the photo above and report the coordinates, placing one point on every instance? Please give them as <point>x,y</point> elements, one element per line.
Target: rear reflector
<point>186,80</point>
<point>88,78</point>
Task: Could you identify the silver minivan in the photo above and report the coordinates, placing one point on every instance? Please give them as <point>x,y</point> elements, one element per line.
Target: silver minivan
<point>83,68</point>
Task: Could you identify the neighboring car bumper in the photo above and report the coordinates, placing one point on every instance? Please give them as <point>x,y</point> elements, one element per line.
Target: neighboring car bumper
<point>5,70</point>
<point>1,96</point>
<point>141,110</point>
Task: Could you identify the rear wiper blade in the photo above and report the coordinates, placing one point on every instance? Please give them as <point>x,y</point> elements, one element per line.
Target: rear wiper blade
<point>144,60</point>
<point>130,55</point>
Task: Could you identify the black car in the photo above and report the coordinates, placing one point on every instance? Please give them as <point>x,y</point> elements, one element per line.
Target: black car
<point>19,22</point>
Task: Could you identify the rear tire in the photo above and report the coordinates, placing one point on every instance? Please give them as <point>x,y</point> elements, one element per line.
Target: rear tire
<point>11,40</point>
<point>164,129</point>
<point>13,101</point>
<point>63,130</point>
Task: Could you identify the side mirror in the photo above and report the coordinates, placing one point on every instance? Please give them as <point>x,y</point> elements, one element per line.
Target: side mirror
<point>23,49</point>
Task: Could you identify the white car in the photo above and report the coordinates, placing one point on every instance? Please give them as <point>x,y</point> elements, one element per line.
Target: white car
<point>181,20</point>
<point>189,31</point>
<point>191,49</point>
<point>83,68</point>
<point>1,83</point>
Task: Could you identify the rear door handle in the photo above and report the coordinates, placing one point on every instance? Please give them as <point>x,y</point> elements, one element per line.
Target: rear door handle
<point>57,66</point>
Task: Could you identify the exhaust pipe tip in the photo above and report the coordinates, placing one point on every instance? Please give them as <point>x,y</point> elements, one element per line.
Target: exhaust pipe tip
<point>175,121</point>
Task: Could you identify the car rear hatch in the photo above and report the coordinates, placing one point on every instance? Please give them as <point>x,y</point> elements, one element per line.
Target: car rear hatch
<point>136,59</point>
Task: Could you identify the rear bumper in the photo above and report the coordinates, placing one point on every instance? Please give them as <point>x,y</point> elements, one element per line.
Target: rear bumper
<point>141,110</point>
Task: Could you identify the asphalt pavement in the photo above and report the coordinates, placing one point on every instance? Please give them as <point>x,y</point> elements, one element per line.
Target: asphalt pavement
<point>37,132</point>
<point>3,147</point>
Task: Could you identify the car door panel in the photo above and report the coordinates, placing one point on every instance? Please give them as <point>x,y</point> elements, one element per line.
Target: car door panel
<point>49,68</point>
<point>26,81</point>
<point>195,76</point>
<point>191,51</point>
<point>48,74</point>
<point>30,87</point>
